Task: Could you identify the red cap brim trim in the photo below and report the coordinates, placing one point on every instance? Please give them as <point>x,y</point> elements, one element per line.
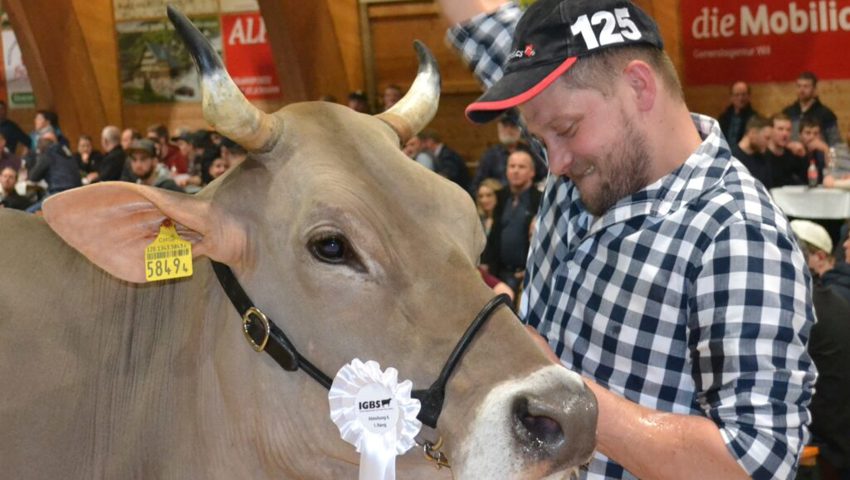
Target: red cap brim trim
<point>524,96</point>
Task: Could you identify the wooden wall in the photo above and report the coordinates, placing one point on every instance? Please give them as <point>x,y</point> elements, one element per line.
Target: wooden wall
<point>330,46</point>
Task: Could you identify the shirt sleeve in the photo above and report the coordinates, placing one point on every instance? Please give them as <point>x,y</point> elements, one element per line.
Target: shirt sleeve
<point>751,317</point>
<point>484,41</point>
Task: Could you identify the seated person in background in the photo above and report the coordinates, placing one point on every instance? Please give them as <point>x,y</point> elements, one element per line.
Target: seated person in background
<point>750,150</point>
<point>111,165</point>
<point>233,152</point>
<point>733,121</point>
<point>499,287</point>
<point>87,157</point>
<point>413,149</point>
<point>447,162</point>
<point>8,158</point>
<point>816,149</point>
<point>144,165</point>
<point>358,101</point>
<point>9,197</point>
<point>808,106</point>
<point>788,168</point>
<point>127,137</point>
<point>485,200</point>
<point>817,245</point>
<point>494,160</point>
<point>829,346</point>
<point>54,165</point>
<point>508,241</point>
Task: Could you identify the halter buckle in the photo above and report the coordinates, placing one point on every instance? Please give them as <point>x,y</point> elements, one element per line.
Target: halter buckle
<point>432,453</point>
<point>248,320</point>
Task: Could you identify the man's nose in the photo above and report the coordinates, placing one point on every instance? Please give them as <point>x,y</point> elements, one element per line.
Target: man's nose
<point>560,163</point>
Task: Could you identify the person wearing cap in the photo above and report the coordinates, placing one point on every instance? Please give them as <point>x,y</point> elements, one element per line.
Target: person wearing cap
<point>829,345</point>
<point>494,160</point>
<point>145,166</point>
<point>817,245</point>
<point>660,270</point>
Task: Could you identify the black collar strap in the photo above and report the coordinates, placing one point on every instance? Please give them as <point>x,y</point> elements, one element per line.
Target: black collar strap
<point>264,335</point>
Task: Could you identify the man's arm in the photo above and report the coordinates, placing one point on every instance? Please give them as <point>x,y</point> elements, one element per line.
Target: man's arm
<point>653,444</point>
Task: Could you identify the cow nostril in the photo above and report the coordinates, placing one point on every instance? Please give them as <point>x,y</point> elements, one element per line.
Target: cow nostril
<point>535,427</point>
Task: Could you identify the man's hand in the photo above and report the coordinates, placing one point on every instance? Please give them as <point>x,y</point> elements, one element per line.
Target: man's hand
<point>797,148</point>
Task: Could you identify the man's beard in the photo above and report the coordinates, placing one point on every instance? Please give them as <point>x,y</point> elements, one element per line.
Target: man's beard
<point>624,174</point>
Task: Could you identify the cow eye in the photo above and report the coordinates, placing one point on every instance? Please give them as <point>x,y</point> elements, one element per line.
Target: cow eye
<point>331,249</point>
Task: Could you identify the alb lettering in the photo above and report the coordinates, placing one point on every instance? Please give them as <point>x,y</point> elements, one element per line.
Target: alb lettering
<point>617,27</point>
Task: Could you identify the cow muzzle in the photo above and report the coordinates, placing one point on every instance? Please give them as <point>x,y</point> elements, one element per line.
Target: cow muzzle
<point>536,427</point>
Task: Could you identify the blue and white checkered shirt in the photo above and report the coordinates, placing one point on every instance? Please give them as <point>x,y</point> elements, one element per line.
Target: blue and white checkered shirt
<point>689,296</point>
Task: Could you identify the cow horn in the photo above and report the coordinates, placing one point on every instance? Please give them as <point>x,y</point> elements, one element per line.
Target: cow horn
<point>418,106</point>
<point>225,107</point>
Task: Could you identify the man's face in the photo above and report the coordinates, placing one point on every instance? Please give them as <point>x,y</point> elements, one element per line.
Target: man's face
<point>185,147</point>
<point>805,89</point>
<point>84,145</point>
<point>781,133</point>
<point>126,138</point>
<point>142,165</point>
<point>760,138</point>
<point>217,167</point>
<point>808,135</point>
<point>8,177</point>
<point>412,147</point>
<point>590,140</point>
<point>509,135</point>
<point>740,96</point>
<point>391,97</point>
<point>520,171</point>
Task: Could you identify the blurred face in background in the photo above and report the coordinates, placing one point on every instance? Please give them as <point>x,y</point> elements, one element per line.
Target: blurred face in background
<point>760,138</point>
<point>39,121</point>
<point>805,90</point>
<point>486,198</point>
<point>781,133</point>
<point>142,164</point>
<point>740,95</point>
<point>84,146</point>
<point>412,147</point>
<point>809,135</point>
<point>217,167</point>
<point>509,134</point>
<point>520,170</point>
<point>8,178</point>
<point>126,138</point>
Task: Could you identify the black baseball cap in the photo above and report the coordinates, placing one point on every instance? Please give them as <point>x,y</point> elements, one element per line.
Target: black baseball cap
<point>551,36</point>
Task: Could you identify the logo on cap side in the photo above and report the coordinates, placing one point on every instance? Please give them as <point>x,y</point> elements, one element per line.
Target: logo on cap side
<point>528,52</point>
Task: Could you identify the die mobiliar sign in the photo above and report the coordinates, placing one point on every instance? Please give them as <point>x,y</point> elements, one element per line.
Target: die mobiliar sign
<point>729,40</point>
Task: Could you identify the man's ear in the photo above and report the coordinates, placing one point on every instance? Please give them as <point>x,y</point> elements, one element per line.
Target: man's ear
<point>111,223</point>
<point>643,82</point>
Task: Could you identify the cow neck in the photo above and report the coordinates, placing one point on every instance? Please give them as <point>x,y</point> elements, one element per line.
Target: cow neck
<point>263,335</point>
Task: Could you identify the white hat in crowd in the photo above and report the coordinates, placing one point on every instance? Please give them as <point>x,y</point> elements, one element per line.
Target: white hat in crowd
<point>813,234</point>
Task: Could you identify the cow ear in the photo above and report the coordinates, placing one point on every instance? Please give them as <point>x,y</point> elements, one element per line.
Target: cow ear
<point>111,223</point>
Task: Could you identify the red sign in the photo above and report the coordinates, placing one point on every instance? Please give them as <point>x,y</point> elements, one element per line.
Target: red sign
<point>764,41</point>
<point>248,55</point>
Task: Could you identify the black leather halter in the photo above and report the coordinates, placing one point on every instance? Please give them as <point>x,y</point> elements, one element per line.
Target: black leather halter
<point>264,335</point>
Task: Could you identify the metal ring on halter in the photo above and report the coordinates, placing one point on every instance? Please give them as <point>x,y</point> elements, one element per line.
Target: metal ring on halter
<point>247,322</point>
<point>432,453</point>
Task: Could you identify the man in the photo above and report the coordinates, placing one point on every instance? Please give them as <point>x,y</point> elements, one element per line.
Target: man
<point>734,119</point>
<point>808,106</point>
<point>358,101</point>
<point>169,154</point>
<point>112,164</point>
<point>820,258</point>
<point>54,165</point>
<point>127,137</point>
<point>508,241</point>
<point>789,168</point>
<point>659,270</point>
<point>7,157</point>
<point>816,149</point>
<point>144,165</point>
<point>447,162</point>
<point>9,197</point>
<point>750,150</point>
<point>413,149</point>
<point>392,94</point>
<point>11,131</point>
<point>829,346</point>
<point>494,161</point>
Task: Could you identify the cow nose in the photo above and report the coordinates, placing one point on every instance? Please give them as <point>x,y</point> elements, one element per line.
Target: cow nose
<point>557,427</point>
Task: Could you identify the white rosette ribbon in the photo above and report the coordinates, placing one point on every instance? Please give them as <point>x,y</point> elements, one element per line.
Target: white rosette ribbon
<point>376,414</point>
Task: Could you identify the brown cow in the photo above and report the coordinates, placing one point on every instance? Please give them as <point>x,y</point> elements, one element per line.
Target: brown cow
<point>353,249</point>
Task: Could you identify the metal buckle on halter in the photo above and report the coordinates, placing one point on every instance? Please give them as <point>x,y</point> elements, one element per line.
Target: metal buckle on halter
<point>432,453</point>
<point>248,320</point>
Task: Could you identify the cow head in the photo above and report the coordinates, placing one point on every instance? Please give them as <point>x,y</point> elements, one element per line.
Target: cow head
<point>357,252</point>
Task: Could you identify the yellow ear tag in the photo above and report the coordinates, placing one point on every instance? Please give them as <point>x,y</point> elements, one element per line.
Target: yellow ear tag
<point>168,256</point>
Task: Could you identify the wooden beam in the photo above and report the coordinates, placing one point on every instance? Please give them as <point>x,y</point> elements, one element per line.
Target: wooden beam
<point>305,48</point>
